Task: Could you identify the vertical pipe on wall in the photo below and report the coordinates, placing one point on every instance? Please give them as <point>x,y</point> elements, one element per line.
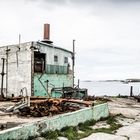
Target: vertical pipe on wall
<point>7,50</point>
<point>2,77</point>
<point>73,60</point>
<point>32,69</point>
<point>47,87</point>
<point>6,70</point>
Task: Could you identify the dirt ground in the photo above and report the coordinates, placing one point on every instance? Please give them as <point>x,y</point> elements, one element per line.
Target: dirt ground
<point>8,120</point>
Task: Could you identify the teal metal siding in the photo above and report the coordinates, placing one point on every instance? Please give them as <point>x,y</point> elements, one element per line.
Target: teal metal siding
<point>58,80</point>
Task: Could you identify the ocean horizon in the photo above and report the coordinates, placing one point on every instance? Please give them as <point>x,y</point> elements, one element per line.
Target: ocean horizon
<point>110,87</point>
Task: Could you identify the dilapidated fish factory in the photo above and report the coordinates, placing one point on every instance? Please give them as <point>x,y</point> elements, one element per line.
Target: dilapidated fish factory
<point>35,68</point>
<point>37,80</point>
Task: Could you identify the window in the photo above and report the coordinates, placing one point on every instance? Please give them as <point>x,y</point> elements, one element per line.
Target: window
<point>65,59</point>
<point>39,62</point>
<point>55,58</point>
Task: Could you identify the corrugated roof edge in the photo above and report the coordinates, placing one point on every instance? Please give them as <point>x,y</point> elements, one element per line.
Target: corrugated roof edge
<point>46,44</point>
<point>52,46</point>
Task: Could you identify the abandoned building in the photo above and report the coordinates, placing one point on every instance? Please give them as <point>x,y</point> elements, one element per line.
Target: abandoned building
<point>35,68</point>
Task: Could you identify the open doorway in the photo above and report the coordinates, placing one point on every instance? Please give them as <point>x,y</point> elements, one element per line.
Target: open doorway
<point>39,62</point>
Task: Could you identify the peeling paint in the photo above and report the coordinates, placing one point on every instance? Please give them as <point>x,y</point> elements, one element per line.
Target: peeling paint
<point>54,79</point>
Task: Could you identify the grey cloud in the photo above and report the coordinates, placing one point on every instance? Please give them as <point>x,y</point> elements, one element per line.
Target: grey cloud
<point>58,2</point>
<point>93,6</point>
<point>112,42</point>
<point>92,2</point>
<point>85,1</point>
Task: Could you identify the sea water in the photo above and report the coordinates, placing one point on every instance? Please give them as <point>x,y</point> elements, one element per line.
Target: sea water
<point>100,88</point>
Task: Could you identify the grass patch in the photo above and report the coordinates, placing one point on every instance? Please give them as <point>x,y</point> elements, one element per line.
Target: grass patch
<point>50,135</point>
<point>85,134</point>
<point>86,125</point>
<point>110,130</point>
<point>72,133</point>
<point>114,125</point>
<point>111,120</point>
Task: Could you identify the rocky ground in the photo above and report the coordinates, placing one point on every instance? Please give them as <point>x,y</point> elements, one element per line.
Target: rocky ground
<point>9,120</point>
<point>130,109</point>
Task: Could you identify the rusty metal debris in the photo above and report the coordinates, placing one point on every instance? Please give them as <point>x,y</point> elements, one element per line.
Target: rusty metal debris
<point>50,107</point>
<point>43,106</point>
<point>40,106</point>
<point>19,98</point>
<point>97,98</point>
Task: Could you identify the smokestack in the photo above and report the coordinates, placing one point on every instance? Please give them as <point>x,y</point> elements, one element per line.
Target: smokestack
<point>47,33</point>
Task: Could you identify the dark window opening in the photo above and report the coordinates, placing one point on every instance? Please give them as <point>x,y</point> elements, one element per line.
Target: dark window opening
<point>55,58</point>
<point>65,59</point>
<point>39,62</point>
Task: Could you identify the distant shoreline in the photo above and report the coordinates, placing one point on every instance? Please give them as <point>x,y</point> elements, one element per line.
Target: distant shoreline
<point>127,80</point>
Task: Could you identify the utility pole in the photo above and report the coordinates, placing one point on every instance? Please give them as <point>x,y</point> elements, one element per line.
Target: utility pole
<point>73,61</point>
<point>78,83</point>
<point>2,77</point>
<point>131,91</point>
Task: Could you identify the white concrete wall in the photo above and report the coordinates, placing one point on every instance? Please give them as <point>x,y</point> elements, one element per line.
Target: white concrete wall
<point>19,70</point>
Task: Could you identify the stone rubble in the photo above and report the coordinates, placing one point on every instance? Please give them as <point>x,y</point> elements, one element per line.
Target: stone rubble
<point>130,109</point>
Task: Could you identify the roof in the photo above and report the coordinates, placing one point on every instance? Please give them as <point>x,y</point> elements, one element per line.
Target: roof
<point>42,43</point>
<point>16,45</point>
<point>52,46</point>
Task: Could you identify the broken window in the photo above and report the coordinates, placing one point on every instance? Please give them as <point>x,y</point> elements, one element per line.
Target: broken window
<point>39,62</point>
<point>55,58</point>
<point>65,59</point>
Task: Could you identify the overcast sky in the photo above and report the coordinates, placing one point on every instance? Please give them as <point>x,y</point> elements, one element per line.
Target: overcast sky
<point>107,32</point>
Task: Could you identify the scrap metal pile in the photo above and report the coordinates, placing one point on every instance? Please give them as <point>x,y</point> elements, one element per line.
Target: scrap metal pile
<point>50,107</point>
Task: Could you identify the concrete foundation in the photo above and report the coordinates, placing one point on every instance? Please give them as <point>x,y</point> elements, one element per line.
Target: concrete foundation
<point>57,122</point>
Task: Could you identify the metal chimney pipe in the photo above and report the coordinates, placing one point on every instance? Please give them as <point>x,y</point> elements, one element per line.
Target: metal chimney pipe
<point>46,31</point>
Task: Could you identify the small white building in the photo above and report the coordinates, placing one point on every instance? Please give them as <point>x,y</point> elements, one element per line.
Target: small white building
<point>34,68</point>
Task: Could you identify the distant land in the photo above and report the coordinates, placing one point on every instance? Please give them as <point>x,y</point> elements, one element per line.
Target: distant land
<point>133,80</point>
<point>126,80</point>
